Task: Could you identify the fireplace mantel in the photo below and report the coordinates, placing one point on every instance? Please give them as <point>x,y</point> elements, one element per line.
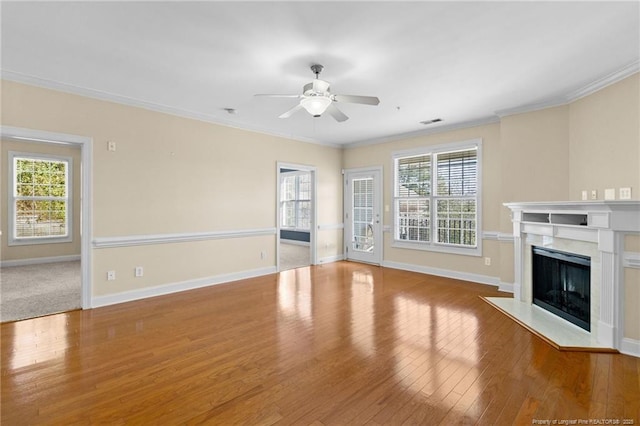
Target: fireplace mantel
<point>603,224</point>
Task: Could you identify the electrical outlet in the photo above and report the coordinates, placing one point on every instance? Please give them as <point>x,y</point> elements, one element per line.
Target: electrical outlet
<point>585,195</point>
<point>111,145</point>
<point>139,271</point>
<point>610,194</point>
<point>111,275</point>
<point>487,261</point>
<point>625,193</point>
<point>263,255</point>
<point>594,194</point>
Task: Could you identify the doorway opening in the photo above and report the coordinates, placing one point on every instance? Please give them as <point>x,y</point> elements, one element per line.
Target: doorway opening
<point>67,273</point>
<point>296,199</point>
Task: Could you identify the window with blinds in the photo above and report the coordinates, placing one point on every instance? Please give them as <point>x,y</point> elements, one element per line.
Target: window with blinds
<point>436,197</point>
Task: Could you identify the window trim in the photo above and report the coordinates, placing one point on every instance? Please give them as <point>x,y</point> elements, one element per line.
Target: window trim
<point>434,245</point>
<point>12,240</point>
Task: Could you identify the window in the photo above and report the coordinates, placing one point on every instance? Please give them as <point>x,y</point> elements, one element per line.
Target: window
<point>437,198</point>
<point>39,197</point>
<point>295,200</point>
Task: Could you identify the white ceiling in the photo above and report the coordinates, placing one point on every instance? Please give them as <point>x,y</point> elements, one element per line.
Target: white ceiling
<point>462,62</point>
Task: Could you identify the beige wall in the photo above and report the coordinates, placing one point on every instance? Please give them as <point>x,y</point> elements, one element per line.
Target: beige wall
<point>175,175</point>
<point>35,251</point>
<point>380,155</point>
<point>172,175</point>
<point>605,140</point>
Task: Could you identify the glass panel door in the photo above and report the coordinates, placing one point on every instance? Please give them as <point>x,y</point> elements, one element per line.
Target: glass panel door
<point>363,215</point>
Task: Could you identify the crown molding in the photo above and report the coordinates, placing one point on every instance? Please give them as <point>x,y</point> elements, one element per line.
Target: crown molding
<point>440,129</point>
<point>562,100</point>
<point>599,84</point>
<point>137,103</point>
<point>605,81</point>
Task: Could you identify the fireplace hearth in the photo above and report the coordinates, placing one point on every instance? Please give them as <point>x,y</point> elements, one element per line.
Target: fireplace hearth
<point>562,284</point>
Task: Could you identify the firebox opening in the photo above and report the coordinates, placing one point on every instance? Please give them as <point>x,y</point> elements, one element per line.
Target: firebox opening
<point>562,284</point>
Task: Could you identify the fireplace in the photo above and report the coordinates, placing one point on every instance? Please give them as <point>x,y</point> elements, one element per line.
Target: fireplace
<point>583,230</point>
<point>562,284</point>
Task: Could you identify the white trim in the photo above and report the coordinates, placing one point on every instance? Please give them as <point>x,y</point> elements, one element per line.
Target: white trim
<point>331,259</point>
<point>294,242</point>
<point>430,131</point>
<point>631,259</point>
<point>447,273</point>
<point>497,236</point>
<point>630,347</point>
<point>86,153</point>
<point>506,287</point>
<point>131,295</point>
<point>438,248</point>
<point>39,260</point>
<point>607,80</point>
<point>331,226</point>
<point>138,240</point>
<point>591,88</point>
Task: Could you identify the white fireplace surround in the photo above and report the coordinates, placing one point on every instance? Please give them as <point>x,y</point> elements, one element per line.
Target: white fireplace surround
<point>596,229</point>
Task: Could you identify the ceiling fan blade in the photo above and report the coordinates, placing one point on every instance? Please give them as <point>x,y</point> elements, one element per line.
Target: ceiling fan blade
<point>277,96</point>
<point>353,99</point>
<point>336,113</point>
<point>291,111</point>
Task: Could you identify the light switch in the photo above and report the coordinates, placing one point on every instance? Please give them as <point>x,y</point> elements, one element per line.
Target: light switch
<point>610,194</point>
<point>625,193</point>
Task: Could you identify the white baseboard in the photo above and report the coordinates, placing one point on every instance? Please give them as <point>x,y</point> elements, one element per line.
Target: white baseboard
<point>331,259</point>
<point>39,260</point>
<point>630,347</point>
<point>161,290</point>
<point>464,276</point>
<point>506,287</point>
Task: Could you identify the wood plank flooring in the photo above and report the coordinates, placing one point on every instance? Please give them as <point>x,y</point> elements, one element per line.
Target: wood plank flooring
<point>343,343</point>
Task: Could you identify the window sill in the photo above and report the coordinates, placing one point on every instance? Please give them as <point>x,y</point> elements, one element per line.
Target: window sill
<point>438,248</point>
<point>35,241</point>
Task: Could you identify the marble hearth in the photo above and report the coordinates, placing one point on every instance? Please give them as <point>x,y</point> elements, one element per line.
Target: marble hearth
<point>595,229</point>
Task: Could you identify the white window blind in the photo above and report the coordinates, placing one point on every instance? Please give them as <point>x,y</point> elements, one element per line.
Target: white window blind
<point>457,180</point>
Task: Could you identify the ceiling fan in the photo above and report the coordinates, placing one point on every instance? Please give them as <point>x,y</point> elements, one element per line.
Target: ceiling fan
<point>317,99</point>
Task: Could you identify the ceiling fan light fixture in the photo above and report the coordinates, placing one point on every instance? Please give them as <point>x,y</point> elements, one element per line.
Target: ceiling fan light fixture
<point>316,105</point>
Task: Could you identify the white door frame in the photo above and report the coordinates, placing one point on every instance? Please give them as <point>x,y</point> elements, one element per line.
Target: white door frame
<point>314,209</point>
<point>378,227</point>
<point>86,148</point>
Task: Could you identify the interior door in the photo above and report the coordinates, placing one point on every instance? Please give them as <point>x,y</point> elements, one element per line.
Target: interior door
<point>363,215</point>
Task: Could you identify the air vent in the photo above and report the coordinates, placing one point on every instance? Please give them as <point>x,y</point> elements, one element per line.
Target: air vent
<point>427,122</point>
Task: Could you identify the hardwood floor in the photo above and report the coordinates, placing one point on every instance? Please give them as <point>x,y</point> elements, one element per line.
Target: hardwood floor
<point>343,343</point>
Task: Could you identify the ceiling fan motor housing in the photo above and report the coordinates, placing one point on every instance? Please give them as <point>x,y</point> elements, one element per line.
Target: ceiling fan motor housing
<point>316,88</point>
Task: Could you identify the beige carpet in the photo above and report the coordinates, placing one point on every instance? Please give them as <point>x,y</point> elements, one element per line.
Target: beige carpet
<point>36,290</point>
<point>294,256</point>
